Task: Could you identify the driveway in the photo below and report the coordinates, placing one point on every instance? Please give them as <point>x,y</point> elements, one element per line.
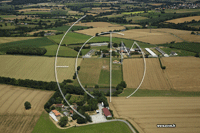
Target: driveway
<point>98,117</point>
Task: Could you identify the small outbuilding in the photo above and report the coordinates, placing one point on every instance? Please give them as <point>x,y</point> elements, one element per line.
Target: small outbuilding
<point>106,112</point>
<point>173,53</point>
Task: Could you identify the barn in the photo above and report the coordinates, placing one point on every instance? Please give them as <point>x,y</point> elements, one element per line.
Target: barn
<point>106,112</point>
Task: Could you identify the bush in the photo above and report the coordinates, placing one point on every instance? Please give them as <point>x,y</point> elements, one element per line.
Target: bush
<point>78,68</point>
<point>68,81</point>
<point>81,120</point>
<point>63,121</point>
<point>197,55</point>
<point>52,108</point>
<point>96,86</point>
<point>109,118</point>
<point>27,105</point>
<point>123,83</point>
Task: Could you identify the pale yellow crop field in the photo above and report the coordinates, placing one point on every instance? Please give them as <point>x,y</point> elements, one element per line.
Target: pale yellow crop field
<point>185,19</point>
<point>36,68</point>
<point>155,78</point>
<point>13,116</point>
<point>146,112</point>
<point>183,72</point>
<point>13,39</point>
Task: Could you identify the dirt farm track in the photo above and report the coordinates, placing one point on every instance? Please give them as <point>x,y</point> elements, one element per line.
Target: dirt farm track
<point>13,116</point>
<point>146,112</point>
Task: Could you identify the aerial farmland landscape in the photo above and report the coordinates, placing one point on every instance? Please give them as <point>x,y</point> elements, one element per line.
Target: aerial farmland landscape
<point>85,66</point>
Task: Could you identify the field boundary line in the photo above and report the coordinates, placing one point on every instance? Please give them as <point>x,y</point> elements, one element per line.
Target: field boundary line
<point>167,77</point>
<point>134,124</point>
<point>114,110</point>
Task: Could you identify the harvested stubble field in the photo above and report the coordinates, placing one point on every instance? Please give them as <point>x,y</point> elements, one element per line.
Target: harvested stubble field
<point>13,39</point>
<point>182,34</point>
<point>35,9</point>
<point>36,68</point>
<point>93,31</point>
<point>155,78</point>
<point>13,116</point>
<point>144,35</point>
<point>146,112</point>
<point>185,19</point>
<point>98,24</point>
<point>183,72</point>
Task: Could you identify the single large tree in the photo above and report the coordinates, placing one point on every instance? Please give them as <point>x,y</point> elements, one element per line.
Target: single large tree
<point>63,121</point>
<point>27,105</point>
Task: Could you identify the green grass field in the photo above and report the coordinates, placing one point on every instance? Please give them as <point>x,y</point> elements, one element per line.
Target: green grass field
<point>45,125</point>
<point>136,19</point>
<point>73,38</point>
<point>178,51</point>
<point>104,78</point>
<point>38,42</point>
<point>63,51</point>
<point>159,93</point>
<point>188,46</point>
<point>135,12</point>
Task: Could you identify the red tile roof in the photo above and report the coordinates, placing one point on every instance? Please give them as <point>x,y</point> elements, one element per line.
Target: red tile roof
<point>59,105</point>
<point>106,112</point>
<point>56,112</point>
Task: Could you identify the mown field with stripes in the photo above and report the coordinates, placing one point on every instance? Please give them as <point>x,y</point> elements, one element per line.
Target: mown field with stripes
<point>13,116</point>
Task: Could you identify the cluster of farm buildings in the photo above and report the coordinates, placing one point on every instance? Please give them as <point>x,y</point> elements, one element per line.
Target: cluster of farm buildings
<point>125,51</point>
<point>67,111</point>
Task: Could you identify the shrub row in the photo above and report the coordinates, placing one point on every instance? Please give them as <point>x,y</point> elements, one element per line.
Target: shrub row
<point>163,67</point>
<point>26,51</point>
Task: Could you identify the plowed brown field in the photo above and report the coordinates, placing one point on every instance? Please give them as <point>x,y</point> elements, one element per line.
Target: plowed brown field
<point>155,78</point>
<point>13,116</point>
<point>146,112</point>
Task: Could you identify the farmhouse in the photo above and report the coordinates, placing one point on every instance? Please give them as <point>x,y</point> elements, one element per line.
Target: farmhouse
<point>56,113</point>
<point>106,112</point>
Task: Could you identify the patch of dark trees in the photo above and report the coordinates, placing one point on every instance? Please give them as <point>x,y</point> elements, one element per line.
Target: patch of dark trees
<point>26,51</point>
<point>78,48</point>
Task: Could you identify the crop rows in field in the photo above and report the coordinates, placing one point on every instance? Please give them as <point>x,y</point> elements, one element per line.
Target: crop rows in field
<point>146,112</point>
<point>36,68</point>
<point>13,116</point>
<point>155,79</point>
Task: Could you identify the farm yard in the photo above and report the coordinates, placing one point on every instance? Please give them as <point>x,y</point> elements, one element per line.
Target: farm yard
<point>13,116</point>
<point>185,19</point>
<point>146,112</point>
<point>155,78</point>
<point>36,68</point>
<point>183,73</point>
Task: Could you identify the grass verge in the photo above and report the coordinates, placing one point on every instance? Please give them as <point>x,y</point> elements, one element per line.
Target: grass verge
<point>45,125</point>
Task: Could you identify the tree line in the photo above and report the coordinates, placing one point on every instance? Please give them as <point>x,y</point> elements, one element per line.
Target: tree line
<point>27,51</point>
